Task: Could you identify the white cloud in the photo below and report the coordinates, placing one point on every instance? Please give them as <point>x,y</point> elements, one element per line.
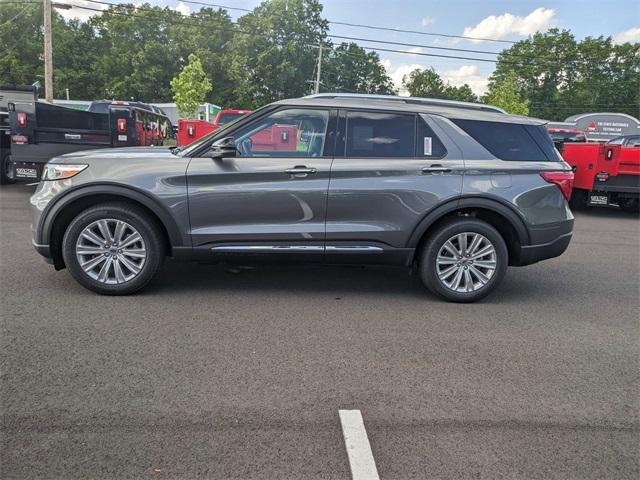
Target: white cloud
<point>182,9</point>
<point>509,25</point>
<point>396,72</point>
<point>80,13</point>
<point>416,50</point>
<point>632,36</point>
<point>426,21</point>
<point>468,74</point>
<point>83,14</point>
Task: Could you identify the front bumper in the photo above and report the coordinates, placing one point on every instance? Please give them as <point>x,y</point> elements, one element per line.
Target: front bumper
<point>44,250</point>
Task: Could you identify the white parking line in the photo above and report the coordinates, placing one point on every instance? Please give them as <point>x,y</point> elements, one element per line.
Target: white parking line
<point>363,466</point>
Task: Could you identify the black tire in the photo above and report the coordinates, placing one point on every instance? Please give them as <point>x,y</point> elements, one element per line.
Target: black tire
<point>5,179</point>
<point>631,205</point>
<point>435,244</point>
<point>578,199</point>
<point>148,229</point>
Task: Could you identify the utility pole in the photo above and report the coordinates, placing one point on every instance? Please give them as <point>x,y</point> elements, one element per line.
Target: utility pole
<point>317,89</point>
<point>48,56</point>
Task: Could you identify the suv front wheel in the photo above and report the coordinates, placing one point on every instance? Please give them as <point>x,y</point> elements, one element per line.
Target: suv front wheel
<point>113,248</point>
<point>463,260</point>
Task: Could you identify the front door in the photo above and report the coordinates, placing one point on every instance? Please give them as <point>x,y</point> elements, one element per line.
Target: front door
<point>272,195</point>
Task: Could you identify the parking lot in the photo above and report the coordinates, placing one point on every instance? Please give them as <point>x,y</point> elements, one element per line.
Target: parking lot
<point>219,373</point>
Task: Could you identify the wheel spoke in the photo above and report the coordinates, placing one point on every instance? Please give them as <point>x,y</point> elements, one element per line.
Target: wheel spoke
<point>449,247</point>
<point>89,250</point>
<point>462,242</point>
<point>133,268</point>
<point>468,282</point>
<point>489,264</point>
<point>483,252</point>
<point>475,243</point>
<point>103,226</point>
<point>117,269</point>
<point>92,237</point>
<point>130,240</point>
<point>93,263</point>
<point>447,273</point>
<point>119,231</point>
<point>442,260</point>
<point>135,252</point>
<point>104,271</point>
<point>455,283</point>
<point>481,276</point>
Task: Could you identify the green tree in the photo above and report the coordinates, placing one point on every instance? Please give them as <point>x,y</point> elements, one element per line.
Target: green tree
<point>427,83</point>
<point>349,68</point>
<point>274,51</point>
<point>21,43</point>
<point>190,87</point>
<point>504,94</point>
<point>561,76</point>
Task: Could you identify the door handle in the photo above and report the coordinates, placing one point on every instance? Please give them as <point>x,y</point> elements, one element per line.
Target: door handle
<point>300,170</point>
<point>436,168</point>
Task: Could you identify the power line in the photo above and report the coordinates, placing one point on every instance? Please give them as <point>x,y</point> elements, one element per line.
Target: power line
<point>380,49</point>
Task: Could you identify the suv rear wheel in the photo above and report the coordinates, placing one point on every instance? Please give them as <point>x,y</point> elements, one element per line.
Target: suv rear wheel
<point>464,260</point>
<point>113,248</point>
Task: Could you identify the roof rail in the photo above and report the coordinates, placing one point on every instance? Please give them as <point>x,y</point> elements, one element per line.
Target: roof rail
<point>411,100</point>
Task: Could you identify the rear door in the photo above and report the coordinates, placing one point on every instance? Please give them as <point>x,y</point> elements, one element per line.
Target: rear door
<point>390,169</point>
<point>272,196</point>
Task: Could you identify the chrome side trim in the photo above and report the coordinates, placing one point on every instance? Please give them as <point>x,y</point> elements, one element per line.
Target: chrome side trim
<point>295,248</point>
<point>353,249</point>
<point>267,248</point>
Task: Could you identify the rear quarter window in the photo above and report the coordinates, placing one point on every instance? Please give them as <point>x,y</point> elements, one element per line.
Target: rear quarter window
<point>512,141</point>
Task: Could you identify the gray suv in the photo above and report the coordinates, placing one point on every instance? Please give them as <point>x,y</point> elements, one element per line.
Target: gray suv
<point>458,190</point>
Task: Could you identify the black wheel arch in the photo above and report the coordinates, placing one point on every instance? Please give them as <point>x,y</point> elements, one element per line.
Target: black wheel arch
<point>58,214</point>
<point>498,213</point>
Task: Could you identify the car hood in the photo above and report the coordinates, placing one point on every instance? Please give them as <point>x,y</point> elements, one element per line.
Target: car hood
<point>116,153</point>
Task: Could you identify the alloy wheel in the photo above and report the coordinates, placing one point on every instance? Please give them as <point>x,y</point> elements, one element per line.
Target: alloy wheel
<point>111,251</point>
<point>466,262</point>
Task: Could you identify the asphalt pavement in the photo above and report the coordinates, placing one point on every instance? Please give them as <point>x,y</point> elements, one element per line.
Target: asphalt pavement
<point>240,373</point>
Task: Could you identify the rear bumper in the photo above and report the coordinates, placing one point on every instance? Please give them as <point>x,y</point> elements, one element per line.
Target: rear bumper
<point>534,253</point>
<point>548,241</point>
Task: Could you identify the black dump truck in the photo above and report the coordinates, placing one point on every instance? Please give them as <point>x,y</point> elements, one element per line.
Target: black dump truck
<point>36,131</point>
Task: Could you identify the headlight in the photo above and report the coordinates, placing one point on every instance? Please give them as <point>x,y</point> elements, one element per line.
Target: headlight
<point>57,171</point>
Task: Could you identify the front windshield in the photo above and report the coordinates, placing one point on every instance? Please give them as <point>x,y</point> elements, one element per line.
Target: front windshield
<point>193,147</point>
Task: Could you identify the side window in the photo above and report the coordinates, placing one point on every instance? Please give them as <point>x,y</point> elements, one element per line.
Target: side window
<point>372,134</point>
<point>292,133</point>
<point>510,141</point>
<point>428,145</point>
<point>634,141</point>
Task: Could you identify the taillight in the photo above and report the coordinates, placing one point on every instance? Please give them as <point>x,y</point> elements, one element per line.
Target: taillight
<point>563,180</point>
<point>191,130</point>
<point>122,125</point>
<point>22,120</point>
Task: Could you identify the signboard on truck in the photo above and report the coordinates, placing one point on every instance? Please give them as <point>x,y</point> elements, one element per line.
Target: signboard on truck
<point>601,127</point>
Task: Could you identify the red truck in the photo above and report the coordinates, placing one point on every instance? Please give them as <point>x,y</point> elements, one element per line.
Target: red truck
<point>191,130</point>
<point>605,174</point>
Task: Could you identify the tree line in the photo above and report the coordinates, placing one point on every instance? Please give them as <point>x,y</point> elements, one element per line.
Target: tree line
<point>133,52</point>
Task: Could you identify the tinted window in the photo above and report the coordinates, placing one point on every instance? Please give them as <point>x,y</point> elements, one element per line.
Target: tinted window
<point>511,141</point>
<point>428,145</point>
<point>634,141</point>
<point>568,137</point>
<point>229,117</point>
<point>372,134</point>
<point>291,133</point>
<point>616,141</point>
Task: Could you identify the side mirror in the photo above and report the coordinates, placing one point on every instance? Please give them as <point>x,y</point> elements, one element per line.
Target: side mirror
<point>223,148</point>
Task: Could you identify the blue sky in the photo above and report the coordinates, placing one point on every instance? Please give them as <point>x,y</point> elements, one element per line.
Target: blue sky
<point>496,19</point>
